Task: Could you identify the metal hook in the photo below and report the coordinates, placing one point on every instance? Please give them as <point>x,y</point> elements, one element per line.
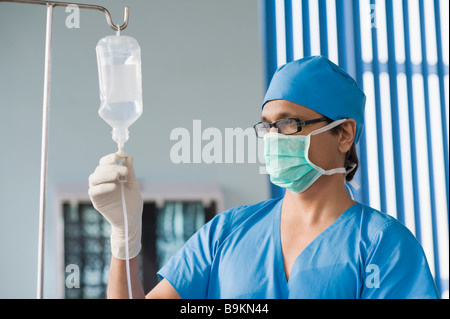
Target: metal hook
<point>115,27</point>
<point>125,18</point>
<point>82,6</point>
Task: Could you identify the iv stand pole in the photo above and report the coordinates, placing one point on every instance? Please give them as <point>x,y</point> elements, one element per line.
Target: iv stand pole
<point>45,116</point>
<point>44,143</point>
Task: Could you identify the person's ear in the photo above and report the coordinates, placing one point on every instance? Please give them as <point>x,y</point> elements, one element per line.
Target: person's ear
<point>347,135</point>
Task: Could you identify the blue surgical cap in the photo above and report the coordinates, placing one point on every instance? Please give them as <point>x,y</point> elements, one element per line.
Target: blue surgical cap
<point>320,85</point>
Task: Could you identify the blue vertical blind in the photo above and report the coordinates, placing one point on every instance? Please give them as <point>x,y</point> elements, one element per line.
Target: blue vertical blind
<point>397,50</point>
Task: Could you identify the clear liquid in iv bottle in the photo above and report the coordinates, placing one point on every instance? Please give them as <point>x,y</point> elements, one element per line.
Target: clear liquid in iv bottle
<point>120,79</point>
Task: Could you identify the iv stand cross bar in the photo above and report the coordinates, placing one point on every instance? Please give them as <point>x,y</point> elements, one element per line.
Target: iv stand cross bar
<point>81,6</point>
<point>45,115</point>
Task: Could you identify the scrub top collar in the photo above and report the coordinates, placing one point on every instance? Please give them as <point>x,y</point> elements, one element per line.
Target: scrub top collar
<point>307,250</point>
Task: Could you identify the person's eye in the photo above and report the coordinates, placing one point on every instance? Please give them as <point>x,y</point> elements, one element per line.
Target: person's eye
<point>287,126</point>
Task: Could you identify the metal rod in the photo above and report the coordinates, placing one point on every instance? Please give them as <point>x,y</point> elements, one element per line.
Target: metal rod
<point>44,144</point>
<point>82,6</point>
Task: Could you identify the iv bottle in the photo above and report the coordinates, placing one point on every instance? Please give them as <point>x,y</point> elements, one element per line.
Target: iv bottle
<point>120,79</point>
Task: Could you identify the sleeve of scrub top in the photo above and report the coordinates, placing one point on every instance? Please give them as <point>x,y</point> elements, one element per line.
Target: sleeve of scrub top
<point>396,266</point>
<point>188,270</point>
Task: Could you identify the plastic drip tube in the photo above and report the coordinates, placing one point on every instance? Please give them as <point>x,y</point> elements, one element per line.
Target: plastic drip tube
<point>127,256</point>
<point>122,181</point>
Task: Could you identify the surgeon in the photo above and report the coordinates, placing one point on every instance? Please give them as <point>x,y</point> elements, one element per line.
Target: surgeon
<point>313,242</point>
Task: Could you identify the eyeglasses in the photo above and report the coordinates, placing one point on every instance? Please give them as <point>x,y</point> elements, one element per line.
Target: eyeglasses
<point>287,126</point>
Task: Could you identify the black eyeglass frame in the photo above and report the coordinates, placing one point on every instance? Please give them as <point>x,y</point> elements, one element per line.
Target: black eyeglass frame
<point>300,124</point>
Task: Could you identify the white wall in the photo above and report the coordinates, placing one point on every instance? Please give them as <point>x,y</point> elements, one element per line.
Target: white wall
<point>201,60</point>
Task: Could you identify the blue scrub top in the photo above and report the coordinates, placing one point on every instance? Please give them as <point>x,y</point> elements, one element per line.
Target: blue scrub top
<point>363,254</point>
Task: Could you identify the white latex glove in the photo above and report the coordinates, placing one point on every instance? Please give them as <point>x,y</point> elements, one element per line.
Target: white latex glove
<point>105,194</point>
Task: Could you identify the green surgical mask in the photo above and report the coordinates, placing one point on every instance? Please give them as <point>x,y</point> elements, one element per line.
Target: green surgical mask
<point>287,160</point>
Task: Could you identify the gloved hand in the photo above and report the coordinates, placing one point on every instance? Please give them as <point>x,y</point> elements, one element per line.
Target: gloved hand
<point>105,194</point>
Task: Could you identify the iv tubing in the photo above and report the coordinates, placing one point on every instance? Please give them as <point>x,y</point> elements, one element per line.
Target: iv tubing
<point>127,256</point>
<point>122,181</point>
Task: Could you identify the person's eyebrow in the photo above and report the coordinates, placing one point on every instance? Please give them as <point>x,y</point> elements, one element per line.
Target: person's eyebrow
<point>283,115</point>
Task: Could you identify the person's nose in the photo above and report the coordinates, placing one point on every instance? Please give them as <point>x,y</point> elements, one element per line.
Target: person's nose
<point>273,129</point>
